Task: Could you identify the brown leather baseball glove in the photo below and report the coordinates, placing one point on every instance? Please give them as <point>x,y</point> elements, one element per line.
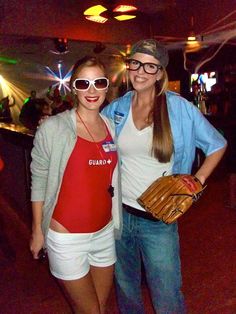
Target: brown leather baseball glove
<point>169,197</point>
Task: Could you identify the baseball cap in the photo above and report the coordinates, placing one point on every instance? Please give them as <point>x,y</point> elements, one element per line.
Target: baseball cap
<point>152,48</point>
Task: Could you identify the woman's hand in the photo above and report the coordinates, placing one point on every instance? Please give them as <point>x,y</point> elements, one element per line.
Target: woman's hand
<point>36,243</point>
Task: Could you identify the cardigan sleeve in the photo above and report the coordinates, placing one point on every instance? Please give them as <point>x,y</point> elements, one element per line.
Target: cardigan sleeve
<point>40,164</point>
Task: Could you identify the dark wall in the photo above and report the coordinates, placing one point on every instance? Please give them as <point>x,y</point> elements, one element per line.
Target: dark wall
<point>15,151</point>
<point>224,63</point>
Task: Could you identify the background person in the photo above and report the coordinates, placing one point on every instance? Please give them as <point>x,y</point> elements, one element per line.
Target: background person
<point>198,97</point>
<point>60,105</point>
<point>5,111</point>
<point>58,102</point>
<point>32,111</point>
<point>194,94</point>
<point>75,192</point>
<point>158,132</point>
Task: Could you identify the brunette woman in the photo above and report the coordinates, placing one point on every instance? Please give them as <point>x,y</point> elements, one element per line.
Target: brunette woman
<point>75,192</point>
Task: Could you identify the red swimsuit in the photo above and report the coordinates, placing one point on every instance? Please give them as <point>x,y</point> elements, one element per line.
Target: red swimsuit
<point>84,203</point>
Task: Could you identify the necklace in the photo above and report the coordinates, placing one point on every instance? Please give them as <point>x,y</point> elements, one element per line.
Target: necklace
<point>110,187</point>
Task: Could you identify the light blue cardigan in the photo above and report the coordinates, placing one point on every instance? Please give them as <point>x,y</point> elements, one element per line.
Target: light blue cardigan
<point>53,144</point>
<point>190,129</point>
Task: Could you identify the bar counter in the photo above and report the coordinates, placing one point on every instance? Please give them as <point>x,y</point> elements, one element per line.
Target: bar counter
<point>16,143</point>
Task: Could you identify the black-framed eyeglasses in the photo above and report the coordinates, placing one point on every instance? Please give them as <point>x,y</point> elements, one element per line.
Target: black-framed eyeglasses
<point>83,84</point>
<point>149,68</point>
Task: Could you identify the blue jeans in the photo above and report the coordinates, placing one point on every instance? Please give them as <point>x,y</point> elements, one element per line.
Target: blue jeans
<point>157,245</point>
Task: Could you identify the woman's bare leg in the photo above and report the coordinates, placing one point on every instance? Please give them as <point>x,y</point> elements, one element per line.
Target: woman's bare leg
<point>90,293</point>
<point>83,295</point>
<point>103,281</point>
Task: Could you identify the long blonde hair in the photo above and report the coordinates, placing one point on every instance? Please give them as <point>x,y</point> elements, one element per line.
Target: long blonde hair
<point>162,141</point>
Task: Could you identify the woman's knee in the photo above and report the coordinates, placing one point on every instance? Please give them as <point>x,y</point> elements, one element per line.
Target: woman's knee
<point>90,309</point>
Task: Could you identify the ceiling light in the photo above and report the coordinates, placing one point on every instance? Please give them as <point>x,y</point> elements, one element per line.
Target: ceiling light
<point>61,45</point>
<point>191,38</point>
<point>100,14</point>
<point>125,8</point>
<point>192,46</point>
<point>96,18</point>
<point>124,17</point>
<point>192,43</point>
<point>95,10</point>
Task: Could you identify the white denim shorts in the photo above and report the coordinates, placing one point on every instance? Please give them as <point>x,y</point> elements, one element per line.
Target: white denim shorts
<point>71,254</point>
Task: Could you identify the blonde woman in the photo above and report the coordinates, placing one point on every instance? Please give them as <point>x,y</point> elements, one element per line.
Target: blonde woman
<point>158,132</point>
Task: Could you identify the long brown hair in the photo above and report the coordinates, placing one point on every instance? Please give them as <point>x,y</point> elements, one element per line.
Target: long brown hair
<point>162,141</point>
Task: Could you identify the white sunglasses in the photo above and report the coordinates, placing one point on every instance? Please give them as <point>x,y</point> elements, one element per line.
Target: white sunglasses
<point>83,84</point>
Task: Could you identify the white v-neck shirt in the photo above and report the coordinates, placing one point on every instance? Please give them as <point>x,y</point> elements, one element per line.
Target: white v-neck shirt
<point>138,167</point>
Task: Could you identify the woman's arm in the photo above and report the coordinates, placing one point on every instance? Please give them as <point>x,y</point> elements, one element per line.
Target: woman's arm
<point>209,164</point>
<point>37,238</point>
<point>39,170</point>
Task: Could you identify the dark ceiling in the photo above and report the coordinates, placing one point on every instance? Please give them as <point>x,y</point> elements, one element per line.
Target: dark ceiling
<point>28,29</point>
<point>166,19</point>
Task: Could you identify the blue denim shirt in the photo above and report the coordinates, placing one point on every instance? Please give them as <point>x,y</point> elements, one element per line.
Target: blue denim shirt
<point>190,129</point>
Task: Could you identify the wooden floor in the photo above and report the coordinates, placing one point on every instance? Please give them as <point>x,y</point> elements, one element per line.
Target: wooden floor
<point>208,254</point>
